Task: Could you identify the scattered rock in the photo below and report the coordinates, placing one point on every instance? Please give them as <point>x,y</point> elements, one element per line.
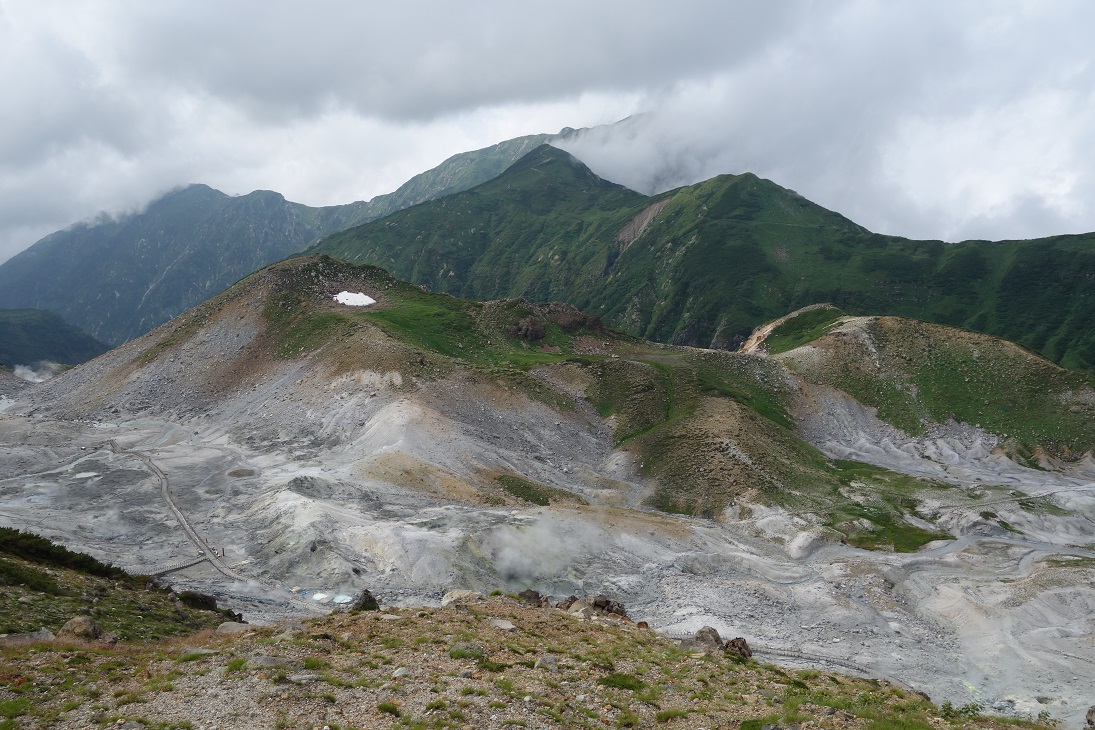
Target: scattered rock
<point>739,646</point>
<point>500,623</point>
<point>460,598</point>
<point>229,628</point>
<point>365,601</point>
<point>81,627</point>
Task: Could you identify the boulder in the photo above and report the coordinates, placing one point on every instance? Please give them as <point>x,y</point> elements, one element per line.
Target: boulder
<point>548,663</point>
<point>199,601</point>
<point>466,650</point>
<point>706,640</point>
<point>83,628</point>
<point>263,661</point>
<point>189,653</point>
<point>530,597</point>
<point>460,598</point>
<point>501,623</point>
<point>582,609</point>
<point>738,645</point>
<point>365,601</point>
<point>42,634</point>
<point>566,603</point>
<point>229,628</point>
<point>604,604</point>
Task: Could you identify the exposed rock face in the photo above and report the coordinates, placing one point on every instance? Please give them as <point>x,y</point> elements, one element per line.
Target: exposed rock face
<point>365,602</point>
<point>81,627</point>
<point>739,646</point>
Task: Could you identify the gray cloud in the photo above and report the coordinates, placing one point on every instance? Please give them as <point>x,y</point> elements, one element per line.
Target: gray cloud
<point>927,119</point>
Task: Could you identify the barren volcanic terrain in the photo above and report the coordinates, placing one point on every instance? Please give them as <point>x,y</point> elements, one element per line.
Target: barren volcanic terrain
<point>284,451</point>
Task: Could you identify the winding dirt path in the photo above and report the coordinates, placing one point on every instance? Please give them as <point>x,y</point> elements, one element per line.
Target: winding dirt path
<point>165,491</point>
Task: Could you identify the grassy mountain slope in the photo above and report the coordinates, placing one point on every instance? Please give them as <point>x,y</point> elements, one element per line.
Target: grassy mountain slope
<point>457,671</point>
<point>532,231</point>
<point>918,374</point>
<point>44,585</point>
<point>30,336</point>
<point>118,279</point>
<point>705,264</point>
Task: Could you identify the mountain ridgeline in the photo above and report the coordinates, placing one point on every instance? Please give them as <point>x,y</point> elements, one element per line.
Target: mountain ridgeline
<point>32,336</point>
<point>119,278</point>
<point>703,265</point>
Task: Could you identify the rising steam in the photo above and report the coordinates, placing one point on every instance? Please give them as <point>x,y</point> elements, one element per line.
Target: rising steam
<point>40,374</point>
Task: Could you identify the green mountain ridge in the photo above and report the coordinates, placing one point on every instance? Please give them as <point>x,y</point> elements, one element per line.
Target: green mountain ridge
<point>119,278</point>
<point>32,336</point>
<point>709,262</point>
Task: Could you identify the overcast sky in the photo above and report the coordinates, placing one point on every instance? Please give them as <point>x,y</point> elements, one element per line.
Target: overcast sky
<point>929,119</point>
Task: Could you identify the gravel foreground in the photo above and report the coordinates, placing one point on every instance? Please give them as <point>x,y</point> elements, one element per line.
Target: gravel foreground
<point>494,663</point>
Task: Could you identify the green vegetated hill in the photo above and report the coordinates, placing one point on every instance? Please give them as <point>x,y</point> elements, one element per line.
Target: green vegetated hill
<point>710,429</point>
<point>705,264</point>
<point>918,374</point>
<point>32,336</point>
<point>119,278</point>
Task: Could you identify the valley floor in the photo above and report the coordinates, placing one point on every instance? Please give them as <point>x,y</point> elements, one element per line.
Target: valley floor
<point>1000,617</point>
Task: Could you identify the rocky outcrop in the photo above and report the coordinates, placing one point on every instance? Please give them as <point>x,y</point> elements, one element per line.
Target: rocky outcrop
<point>708,641</point>
<point>83,628</point>
<point>591,606</point>
<point>739,646</point>
<point>365,601</point>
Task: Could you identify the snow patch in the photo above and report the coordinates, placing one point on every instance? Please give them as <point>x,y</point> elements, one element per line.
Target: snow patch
<point>354,299</point>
